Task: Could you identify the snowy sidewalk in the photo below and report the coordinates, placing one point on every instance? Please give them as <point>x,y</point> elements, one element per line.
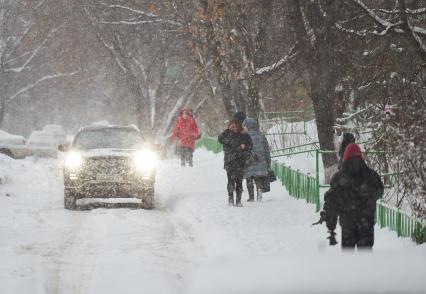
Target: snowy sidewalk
<point>191,243</point>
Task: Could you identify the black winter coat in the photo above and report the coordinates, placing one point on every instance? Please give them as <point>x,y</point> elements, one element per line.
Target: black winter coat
<point>353,195</point>
<point>235,158</point>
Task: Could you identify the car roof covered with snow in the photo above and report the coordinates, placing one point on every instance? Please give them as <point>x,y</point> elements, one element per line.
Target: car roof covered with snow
<point>41,138</point>
<point>54,129</point>
<point>5,137</point>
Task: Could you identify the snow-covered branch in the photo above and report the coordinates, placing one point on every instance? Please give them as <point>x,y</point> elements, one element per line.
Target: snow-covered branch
<point>154,18</point>
<point>308,28</point>
<point>32,53</point>
<point>402,24</point>
<point>277,65</point>
<point>387,25</point>
<point>108,46</point>
<point>408,11</point>
<point>131,22</point>
<point>34,84</point>
<point>373,15</point>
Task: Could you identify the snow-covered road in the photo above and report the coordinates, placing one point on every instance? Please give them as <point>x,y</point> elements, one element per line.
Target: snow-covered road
<point>191,243</point>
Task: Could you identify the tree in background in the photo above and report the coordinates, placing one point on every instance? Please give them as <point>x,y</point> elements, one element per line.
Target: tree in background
<point>25,33</point>
<point>386,88</point>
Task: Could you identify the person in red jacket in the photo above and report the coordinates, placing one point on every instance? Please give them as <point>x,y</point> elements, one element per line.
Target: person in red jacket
<point>186,132</point>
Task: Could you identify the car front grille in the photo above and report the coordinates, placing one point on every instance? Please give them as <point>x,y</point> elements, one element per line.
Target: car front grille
<point>117,166</point>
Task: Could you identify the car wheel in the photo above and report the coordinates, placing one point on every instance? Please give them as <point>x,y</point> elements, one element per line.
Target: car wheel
<point>70,201</point>
<point>7,152</point>
<point>148,198</point>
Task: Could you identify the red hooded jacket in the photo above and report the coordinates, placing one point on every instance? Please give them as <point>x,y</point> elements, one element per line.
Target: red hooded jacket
<point>186,130</point>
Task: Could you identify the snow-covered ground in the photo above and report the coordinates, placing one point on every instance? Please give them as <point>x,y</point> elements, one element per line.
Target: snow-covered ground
<point>192,243</point>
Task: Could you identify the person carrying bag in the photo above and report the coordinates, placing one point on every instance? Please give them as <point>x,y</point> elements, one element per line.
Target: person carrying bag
<point>258,170</point>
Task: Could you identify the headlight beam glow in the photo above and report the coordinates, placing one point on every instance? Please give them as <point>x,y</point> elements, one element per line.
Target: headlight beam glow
<point>146,161</point>
<point>73,160</point>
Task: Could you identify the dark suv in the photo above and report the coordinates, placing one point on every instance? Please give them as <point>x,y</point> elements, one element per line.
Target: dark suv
<point>109,162</point>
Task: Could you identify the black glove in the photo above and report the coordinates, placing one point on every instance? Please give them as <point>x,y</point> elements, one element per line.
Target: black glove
<point>321,220</point>
<point>332,238</point>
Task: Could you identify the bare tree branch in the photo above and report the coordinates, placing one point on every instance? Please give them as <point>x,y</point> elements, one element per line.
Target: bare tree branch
<point>34,84</point>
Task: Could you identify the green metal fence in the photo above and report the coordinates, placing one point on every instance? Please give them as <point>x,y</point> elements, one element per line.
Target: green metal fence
<point>289,151</point>
<point>299,185</point>
<point>210,143</point>
<point>400,222</point>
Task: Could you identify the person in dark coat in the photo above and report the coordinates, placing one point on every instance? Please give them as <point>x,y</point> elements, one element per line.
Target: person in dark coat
<point>348,138</point>
<point>352,198</point>
<point>257,170</point>
<point>237,146</point>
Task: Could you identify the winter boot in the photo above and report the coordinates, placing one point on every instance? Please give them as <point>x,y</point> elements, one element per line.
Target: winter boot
<point>238,201</point>
<point>182,158</point>
<point>259,194</point>
<point>231,200</point>
<point>251,195</point>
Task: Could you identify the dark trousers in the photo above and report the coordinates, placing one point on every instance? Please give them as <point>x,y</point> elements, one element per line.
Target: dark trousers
<point>186,155</point>
<point>358,235</point>
<point>235,182</point>
<point>250,185</point>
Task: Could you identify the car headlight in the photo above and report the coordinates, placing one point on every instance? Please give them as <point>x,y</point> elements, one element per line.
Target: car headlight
<point>73,160</point>
<point>146,161</point>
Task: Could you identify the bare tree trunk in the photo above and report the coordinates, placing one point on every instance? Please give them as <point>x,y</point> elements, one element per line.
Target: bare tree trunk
<point>227,95</point>
<point>2,112</point>
<point>253,106</point>
<point>317,47</point>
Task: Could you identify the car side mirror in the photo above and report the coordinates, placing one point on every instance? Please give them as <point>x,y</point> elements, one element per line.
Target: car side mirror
<point>63,147</point>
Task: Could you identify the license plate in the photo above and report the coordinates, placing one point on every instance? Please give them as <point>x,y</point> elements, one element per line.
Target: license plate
<point>109,178</point>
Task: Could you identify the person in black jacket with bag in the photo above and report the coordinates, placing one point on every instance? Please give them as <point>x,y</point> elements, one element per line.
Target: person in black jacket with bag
<point>237,147</point>
<point>352,198</point>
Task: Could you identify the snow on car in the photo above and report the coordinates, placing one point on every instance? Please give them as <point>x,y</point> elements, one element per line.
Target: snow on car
<point>58,132</point>
<point>109,162</point>
<point>12,145</point>
<point>42,144</point>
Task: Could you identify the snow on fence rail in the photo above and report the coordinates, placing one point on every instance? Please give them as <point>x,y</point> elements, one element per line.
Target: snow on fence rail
<point>307,187</point>
<point>309,147</point>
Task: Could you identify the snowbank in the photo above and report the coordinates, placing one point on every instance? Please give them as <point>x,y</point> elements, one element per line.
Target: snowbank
<point>314,273</point>
<point>9,168</point>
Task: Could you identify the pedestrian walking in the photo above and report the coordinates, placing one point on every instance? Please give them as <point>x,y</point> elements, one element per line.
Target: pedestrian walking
<point>257,170</point>
<point>186,132</point>
<point>352,199</point>
<point>237,147</point>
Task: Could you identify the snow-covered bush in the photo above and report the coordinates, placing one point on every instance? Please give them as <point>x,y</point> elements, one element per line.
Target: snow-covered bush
<point>407,138</point>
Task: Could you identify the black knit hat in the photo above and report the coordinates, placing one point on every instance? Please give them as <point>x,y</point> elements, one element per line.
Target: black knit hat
<point>240,116</point>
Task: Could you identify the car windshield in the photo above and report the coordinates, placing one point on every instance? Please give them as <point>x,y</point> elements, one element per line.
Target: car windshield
<point>108,138</point>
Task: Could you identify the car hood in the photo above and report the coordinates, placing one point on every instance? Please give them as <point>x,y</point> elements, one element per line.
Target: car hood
<point>107,153</point>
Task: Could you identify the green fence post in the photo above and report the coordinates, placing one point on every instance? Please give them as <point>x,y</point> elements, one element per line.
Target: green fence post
<point>317,181</point>
<point>398,223</point>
